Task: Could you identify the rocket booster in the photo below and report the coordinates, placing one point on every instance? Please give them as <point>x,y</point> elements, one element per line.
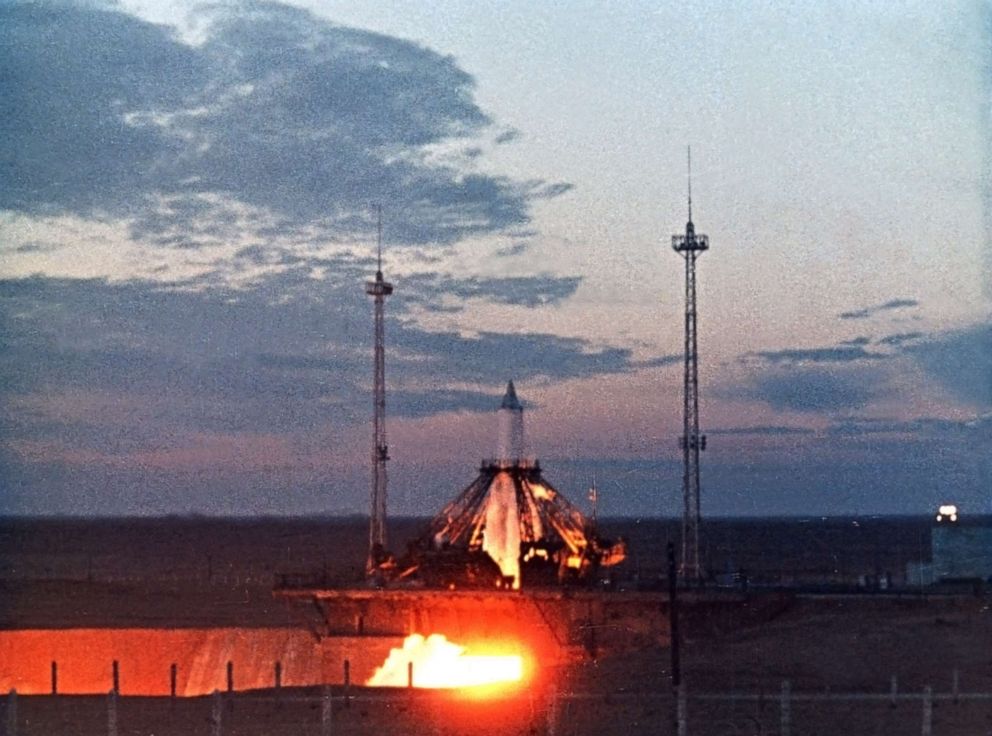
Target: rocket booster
<point>510,441</point>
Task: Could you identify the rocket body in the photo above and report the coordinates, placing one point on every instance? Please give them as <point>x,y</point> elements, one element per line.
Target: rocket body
<point>510,440</point>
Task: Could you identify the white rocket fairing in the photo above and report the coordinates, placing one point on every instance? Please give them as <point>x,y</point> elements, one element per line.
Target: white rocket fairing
<point>510,441</point>
<point>510,506</point>
<point>502,515</point>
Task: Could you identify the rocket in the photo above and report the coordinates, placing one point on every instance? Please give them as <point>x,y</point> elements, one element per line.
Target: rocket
<point>510,440</point>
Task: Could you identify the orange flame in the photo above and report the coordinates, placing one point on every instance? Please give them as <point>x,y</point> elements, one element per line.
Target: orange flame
<point>439,663</point>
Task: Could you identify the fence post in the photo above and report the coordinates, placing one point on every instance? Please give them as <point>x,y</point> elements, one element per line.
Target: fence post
<point>112,713</point>
<point>409,674</point>
<point>278,674</point>
<point>172,680</point>
<point>55,678</point>
<point>893,691</point>
<point>116,677</point>
<point>673,617</point>
<point>347,683</point>
<point>681,711</point>
<point>786,708</point>
<point>956,685</point>
<point>230,676</point>
<point>216,715</point>
<point>12,713</point>
<point>325,712</point>
<point>927,711</point>
<point>552,716</point>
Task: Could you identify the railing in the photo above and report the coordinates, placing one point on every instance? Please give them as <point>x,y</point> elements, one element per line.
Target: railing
<point>340,710</point>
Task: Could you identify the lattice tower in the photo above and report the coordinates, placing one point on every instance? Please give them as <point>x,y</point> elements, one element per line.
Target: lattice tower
<point>689,246</point>
<point>378,289</point>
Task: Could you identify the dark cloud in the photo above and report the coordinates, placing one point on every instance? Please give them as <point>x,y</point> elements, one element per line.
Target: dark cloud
<point>840,354</point>
<point>814,390</point>
<point>289,355</point>
<point>507,136</point>
<point>527,291</point>
<point>71,75</point>
<point>512,250</point>
<point>899,338</point>
<point>857,314</point>
<point>885,307</point>
<point>549,191</point>
<point>769,430</point>
<point>427,403</point>
<point>112,386</point>
<point>922,427</point>
<point>277,122</point>
<point>857,341</point>
<point>660,361</point>
<point>36,246</point>
<point>899,304</point>
<point>805,473</point>
<point>960,360</point>
<point>118,371</point>
<point>489,357</point>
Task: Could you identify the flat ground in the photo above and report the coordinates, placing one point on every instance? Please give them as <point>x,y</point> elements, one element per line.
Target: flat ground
<point>821,645</point>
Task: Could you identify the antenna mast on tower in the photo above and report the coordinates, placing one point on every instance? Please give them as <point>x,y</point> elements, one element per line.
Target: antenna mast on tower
<point>689,246</point>
<point>378,290</point>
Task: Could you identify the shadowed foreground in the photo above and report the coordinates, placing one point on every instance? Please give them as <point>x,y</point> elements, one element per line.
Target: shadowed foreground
<point>199,575</point>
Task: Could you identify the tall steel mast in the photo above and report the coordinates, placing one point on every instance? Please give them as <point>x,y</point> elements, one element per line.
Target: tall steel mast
<point>692,443</point>
<point>378,290</point>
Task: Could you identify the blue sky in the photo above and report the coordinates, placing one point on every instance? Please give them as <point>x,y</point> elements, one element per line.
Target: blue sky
<point>186,223</point>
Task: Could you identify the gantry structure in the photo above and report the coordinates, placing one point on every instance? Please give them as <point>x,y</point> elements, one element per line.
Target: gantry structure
<point>690,245</point>
<point>510,514</point>
<point>378,289</point>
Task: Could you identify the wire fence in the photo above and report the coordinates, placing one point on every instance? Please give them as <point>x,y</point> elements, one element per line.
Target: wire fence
<point>333,710</point>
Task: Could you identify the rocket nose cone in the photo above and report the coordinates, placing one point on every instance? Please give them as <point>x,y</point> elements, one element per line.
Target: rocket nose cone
<point>510,400</point>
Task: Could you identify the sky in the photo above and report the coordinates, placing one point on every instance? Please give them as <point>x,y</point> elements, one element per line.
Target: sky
<point>187,198</point>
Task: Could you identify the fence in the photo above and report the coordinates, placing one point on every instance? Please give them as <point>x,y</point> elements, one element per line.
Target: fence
<point>326,710</point>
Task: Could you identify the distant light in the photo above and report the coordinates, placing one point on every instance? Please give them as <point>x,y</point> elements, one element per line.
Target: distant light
<point>948,512</point>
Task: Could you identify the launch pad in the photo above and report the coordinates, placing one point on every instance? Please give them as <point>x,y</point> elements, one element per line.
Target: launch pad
<point>553,625</point>
<point>550,622</point>
<point>509,528</point>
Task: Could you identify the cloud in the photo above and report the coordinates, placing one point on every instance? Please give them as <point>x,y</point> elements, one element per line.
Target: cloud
<point>426,403</point>
<point>527,291</point>
<point>171,389</point>
<point>899,338</point>
<point>36,246</point>
<point>885,307</point>
<point>842,354</point>
<point>277,122</point>
<point>291,354</point>
<point>550,191</point>
<point>848,378</point>
<point>491,357</point>
<point>960,361</point>
<point>507,136</point>
<point>660,361</point>
<point>766,430</point>
<point>813,390</point>
<point>512,250</point>
<point>899,304</point>
<point>857,314</point>
<point>920,427</point>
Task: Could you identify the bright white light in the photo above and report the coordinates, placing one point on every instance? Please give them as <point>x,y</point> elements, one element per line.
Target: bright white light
<point>947,511</point>
<point>439,663</point>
